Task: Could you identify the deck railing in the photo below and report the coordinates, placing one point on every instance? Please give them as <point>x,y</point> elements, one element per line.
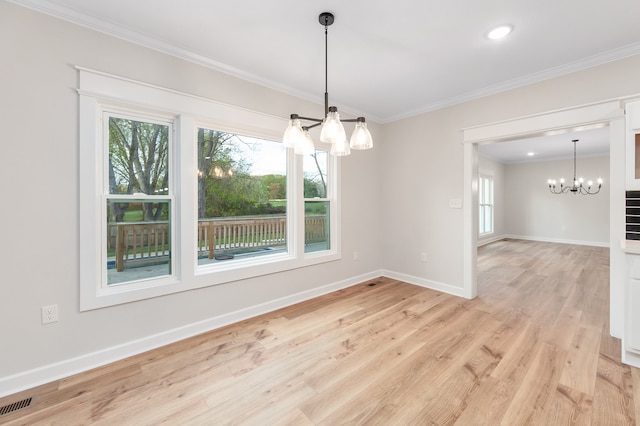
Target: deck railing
<point>241,233</point>
<point>140,242</point>
<point>144,242</point>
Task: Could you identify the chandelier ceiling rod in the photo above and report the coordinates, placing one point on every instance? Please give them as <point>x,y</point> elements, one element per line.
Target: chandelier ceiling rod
<point>297,135</point>
<point>328,20</point>
<point>575,141</point>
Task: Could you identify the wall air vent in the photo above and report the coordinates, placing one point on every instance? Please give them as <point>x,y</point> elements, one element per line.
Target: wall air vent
<point>633,215</point>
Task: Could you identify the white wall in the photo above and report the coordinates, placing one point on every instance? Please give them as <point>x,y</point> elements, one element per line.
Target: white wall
<point>488,167</point>
<point>533,212</point>
<point>39,213</point>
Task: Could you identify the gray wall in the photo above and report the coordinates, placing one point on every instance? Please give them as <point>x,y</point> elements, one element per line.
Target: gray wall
<point>533,212</point>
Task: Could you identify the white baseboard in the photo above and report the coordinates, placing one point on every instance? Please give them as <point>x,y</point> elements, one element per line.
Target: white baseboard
<point>433,285</point>
<point>556,240</point>
<point>630,358</point>
<point>48,373</point>
<point>492,239</point>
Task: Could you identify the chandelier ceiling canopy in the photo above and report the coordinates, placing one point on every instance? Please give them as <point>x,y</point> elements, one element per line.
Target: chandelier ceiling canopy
<point>297,134</point>
<point>577,185</point>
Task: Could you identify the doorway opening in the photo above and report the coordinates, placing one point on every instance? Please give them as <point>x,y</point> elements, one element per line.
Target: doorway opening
<point>609,113</point>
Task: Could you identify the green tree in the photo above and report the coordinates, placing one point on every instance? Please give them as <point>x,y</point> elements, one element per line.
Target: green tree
<point>225,186</point>
<point>138,163</point>
<point>275,186</point>
<point>315,183</point>
<point>215,162</point>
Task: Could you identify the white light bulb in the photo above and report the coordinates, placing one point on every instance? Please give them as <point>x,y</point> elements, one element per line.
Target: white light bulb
<point>293,134</point>
<point>332,128</point>
<point>500,32</point>
<point>361,137</point>
<point>340,148</point>
<point>305,145</point>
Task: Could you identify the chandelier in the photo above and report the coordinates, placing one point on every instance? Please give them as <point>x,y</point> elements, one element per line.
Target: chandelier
<point>577,187</point>
<point>297,135</point>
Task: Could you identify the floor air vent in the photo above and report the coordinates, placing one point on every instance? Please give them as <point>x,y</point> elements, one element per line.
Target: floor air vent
<point>15,406</point>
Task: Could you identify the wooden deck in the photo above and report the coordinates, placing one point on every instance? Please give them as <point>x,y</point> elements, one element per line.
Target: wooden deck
<point>532,349</point>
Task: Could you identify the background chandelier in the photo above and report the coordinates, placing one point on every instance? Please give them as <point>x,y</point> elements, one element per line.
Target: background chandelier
<point>578,184</point>
<point>297,135</point>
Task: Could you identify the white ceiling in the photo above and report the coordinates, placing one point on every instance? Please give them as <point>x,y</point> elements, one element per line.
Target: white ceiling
<point>591,143</point>
<point>387,60</point>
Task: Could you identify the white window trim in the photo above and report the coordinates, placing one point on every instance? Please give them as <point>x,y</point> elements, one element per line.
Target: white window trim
<point>97,89</point>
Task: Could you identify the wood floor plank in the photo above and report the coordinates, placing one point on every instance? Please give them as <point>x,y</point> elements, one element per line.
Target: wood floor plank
<point>293,418</point>
<point>562,332</point>
<point>532,348</point>
<point>389,382</point>
<point>568,407</point>
<point>444,404</point>
<point>489,403</point>
<point>580,368</point>
<point>348,356</point>
<point>538,384</point>
<point>635,380</point>
<point>516,362</point>
<point>613,400</point>
<point>359,381</point>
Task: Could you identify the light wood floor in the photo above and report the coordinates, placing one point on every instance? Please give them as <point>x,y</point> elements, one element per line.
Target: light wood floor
<point>533,348</point>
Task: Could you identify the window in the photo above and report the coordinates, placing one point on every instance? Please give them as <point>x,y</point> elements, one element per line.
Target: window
<point>242,197</point>
<point>485,199</point>
<point>137,200</point>
<point>178,192</point>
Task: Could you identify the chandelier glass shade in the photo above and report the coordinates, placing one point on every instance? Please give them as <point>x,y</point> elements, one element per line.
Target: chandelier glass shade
<point>578,185</point>
<point>297,134</point>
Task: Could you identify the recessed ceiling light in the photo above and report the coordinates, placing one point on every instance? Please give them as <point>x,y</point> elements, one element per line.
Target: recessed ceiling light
<point>499,32</point>
<point>531,154</point>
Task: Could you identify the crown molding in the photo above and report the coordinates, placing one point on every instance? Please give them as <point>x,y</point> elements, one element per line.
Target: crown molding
<point>50,8</point>
<point>583,64</point>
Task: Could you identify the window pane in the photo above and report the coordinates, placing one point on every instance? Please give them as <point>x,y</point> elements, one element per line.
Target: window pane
<point>316,226</point>
<point>490,192</point>
<point>316,206</point>
<point>138,157</point>
<point>315,175</point>
<point>242,197</point>
<point>138,240</point>
<point>487,218</point>
<point>485,204</point>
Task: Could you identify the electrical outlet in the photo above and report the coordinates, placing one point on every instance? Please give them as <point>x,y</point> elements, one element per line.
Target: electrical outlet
<point>49,314</point>
<point>455,203</point>
<point>423,257</point>
<point>356,255</point>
